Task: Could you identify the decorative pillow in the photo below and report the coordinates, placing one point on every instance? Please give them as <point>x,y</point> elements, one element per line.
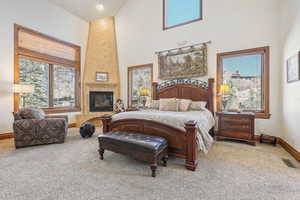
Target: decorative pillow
<point>153,104</point>
<point>32,113</point>
<point>168,105</point>
<point>198,105</point>
<point>17,116</point>
<point>184,104</point>
<point>148,103</point>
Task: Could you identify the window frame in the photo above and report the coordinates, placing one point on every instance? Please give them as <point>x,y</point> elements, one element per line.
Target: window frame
<point>165,27</point>
<point>129,80</point>
<point>265,52</point>
<point>20,52</point>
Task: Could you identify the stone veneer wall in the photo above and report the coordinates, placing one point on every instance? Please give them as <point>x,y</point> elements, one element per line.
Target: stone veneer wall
<point>101,56</point>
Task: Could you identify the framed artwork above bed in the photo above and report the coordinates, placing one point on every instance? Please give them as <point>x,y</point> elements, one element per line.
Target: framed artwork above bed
<point>139,77</point>
<point>185,62</point>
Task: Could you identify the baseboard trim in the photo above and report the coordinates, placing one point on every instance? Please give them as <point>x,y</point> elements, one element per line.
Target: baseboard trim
<point>6,136</point>
<point>289,148</point>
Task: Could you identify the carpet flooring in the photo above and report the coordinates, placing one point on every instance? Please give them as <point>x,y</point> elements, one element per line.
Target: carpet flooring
<point>72,171</point>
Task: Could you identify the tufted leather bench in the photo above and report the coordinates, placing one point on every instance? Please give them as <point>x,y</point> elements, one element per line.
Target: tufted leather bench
<point>148,148</point>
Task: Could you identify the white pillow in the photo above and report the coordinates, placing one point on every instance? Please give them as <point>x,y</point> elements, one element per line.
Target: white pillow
<point>198,105</point>
<point>168,105</point>
<point>148,103</point>
<point>184,104</point>
<point>153,104</point>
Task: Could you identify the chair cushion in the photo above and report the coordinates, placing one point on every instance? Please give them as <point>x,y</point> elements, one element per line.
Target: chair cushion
<point>32,113</point>
<point>137,141</point>
<point>17,116</point>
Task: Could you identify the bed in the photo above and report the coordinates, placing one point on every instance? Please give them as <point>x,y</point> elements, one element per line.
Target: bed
<point>183,136</point>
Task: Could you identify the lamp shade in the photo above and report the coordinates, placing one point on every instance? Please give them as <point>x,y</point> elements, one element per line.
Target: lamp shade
<point>144,92</point>
<point>224,89</point>
<point>23,89</point>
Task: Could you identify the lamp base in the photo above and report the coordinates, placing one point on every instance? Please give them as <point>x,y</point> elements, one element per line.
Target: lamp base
<point>224,104</point>
<point>143,101</point>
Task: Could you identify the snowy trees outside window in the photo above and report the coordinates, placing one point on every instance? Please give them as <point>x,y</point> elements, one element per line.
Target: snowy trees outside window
<point>54,85</point>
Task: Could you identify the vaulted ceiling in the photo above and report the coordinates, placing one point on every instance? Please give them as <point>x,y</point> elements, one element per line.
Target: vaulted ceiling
<point>86,9</point>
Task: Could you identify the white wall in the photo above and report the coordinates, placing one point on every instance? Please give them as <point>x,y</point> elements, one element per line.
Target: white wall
<point>229,24</point>
<point>290,26</point>
<point>39,15</point>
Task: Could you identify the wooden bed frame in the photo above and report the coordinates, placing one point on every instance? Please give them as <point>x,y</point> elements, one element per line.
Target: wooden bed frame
<point>182,144</point>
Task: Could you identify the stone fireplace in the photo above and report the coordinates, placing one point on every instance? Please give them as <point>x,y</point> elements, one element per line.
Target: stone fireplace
<point>101,101</point>
<point>101,56</point>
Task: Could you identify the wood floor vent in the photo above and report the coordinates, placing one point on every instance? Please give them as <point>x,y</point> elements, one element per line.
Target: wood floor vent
<point>289,163</point>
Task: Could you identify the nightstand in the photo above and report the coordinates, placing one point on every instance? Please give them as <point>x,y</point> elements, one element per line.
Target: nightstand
<point>236,126</point>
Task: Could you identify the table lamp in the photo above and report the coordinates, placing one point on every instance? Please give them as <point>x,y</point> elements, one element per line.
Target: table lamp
<point>144,93</point>
<point>225,92</point>
<point>22,90</point>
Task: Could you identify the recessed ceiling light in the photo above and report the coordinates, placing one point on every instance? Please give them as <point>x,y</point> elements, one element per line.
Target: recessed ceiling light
<point>99,6</point>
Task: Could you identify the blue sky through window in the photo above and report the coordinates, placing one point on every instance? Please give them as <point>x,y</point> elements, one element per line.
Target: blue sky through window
<point>182,11</point>
<point>246,65</point>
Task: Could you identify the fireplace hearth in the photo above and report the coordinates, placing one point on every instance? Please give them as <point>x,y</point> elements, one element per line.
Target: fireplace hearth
<point>101,101</point>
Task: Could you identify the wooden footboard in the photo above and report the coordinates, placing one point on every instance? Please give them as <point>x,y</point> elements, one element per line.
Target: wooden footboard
<point>182,144</point>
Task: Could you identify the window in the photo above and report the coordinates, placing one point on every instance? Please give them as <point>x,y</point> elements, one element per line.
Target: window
<point>246,73</point>
<point>35,74</point>
<point>63,86</point>
<point>139,78</point>
<point>52,67</point>
<point>180,12</point>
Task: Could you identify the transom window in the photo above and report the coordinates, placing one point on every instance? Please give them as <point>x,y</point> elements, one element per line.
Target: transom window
<point>180,12</point>
<point>51,67</point>
<point>246,75</point>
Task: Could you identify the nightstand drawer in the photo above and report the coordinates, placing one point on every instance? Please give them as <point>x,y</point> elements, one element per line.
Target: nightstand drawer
<point>236,127</point>
<point>236,134</point>
<point>235,120</point>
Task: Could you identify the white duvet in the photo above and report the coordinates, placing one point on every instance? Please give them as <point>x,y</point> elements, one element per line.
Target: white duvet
<point>205,121</point>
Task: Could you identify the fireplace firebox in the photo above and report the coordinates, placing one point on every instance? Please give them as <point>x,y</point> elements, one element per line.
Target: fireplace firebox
<point>101,101</point>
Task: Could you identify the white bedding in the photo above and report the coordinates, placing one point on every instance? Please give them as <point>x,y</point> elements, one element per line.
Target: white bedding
<point>205,121</point>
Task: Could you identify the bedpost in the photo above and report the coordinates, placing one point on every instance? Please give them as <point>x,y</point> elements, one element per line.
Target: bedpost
<point>211,105</point>
<point>106,122</point>
<point>154,91</point>
<point>191,160</point>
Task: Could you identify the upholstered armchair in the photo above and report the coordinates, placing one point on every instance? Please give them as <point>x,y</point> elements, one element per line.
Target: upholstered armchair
<point>33,127</point>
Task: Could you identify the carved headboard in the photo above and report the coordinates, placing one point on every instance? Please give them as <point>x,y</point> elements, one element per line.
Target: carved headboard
<point>195,90</point>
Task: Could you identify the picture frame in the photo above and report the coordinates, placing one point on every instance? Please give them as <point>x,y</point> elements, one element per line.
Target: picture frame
<point>293,68</point>
<point>189,62</point>
<point>101,76</point>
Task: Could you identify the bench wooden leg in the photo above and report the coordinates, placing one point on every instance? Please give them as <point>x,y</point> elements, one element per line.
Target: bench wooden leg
<point>165,161</point>
<point>101,152</point>
<point>153,168</point>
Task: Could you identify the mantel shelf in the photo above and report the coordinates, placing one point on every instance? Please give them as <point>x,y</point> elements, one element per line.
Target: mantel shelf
<point>101,83</point>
